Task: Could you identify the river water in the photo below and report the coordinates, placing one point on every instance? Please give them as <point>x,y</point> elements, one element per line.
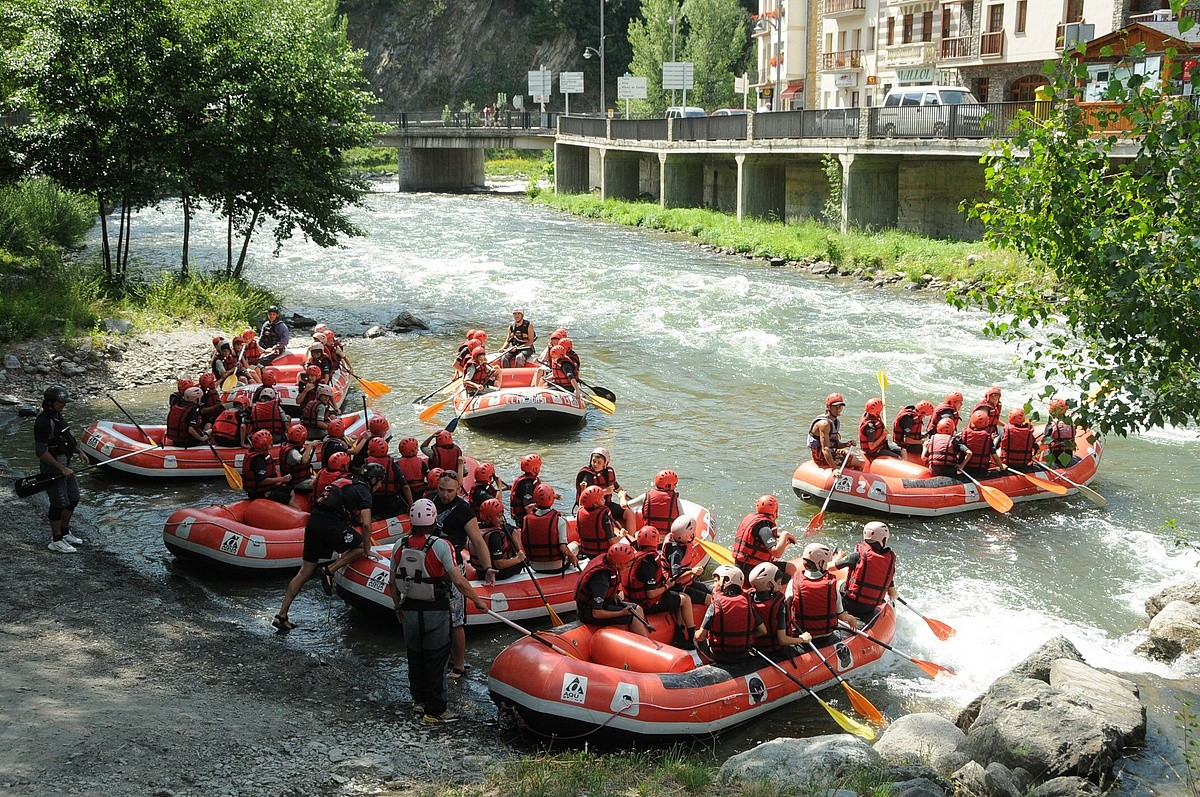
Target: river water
<point>719,364</point>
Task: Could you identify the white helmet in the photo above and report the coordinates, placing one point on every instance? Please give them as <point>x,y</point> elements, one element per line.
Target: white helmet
<point>267,394</point>
<point>683,529</point>
<point>193,394</point>
<point>602,452</point>
<point>422,513</point>
<point>876,531</point>
<point>818,555</point>
<point>325,390</point>
<point>320,328</point>
<point>763,576</point>
<point>730,574</point>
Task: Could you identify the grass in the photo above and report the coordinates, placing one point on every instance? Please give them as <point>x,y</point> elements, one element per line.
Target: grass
<point>372,160</point>
<point>514,164</point>
<point>887,251</point>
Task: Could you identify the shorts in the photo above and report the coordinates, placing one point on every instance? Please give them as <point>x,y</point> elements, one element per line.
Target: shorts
<point>818,456</point>
<point>458,608</point>
<point>698,591</point>
<point>326,533</point>
<point>585,617</point>
<point>63,493</point>
<point>668,602</point>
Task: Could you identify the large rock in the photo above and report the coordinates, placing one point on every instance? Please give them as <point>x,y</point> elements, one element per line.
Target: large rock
<point>927,739</point>
<point>993,781</point>
<point>1026,723</point>
<point>406,322</point>
<point>917,787</point>
<point>117,325</point>
<point>12,362</point>
<point>800,764</point>
<point>1066,787</point>
<point>1174,630</point>
<point>298,321</point>
<point>1189,592</point>
<point>1116,699</point>
<point>1036,665</point>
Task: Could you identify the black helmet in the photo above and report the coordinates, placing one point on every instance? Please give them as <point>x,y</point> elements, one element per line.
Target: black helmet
<point>373,472</point>
<point>54,393</point>
<point>274,309</point>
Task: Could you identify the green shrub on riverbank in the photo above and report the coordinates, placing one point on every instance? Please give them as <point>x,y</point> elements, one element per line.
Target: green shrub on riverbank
<point>890,250</point>
<point>372,160</point>
<point>514,164</point>
<point>38,219</point>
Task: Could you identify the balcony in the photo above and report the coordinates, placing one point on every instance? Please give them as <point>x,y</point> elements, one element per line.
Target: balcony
<point>842,59</point>
<point>956,47</point>
<point>844,8</point>
<point>915,54</point>
<point>991,44</point>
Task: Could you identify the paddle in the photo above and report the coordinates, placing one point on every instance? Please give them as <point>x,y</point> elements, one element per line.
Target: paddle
<point>125,412</point>
<point>1087,492</point>
<point>995,498</point>
<point>229,382</point>
<point>940,629</point>
<point>818,520</point>
<point>430,394</point>
<point>599,402</point>
<point>450,427</point>
<point>37,482</point>
<point>232,477</point>
<point>719,553</point>
<point>372,389</point>
<point>1049,487</point>
<point>860,702</point>
<point>554,618</point>
<point>882,379</point>
<point>566,650</point>
<point>600,391</point>
<point>849,725</point>
<point>927,667</point>
<point>638,616</point>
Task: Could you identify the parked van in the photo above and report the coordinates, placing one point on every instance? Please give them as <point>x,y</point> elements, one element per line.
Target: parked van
<point>684,111</point>
<point>930,111</point>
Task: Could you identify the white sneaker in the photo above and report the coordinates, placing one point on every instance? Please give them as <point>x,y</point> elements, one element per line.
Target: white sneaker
<point>72,539</point>
<point>61,546</point>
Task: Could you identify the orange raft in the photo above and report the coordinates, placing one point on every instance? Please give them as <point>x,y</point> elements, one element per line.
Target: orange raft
<point>290,364</point>
<point>615,683</point>
<point>105,440</point>
<point>898,487</point>
<point>364,583</point>
<point>516,401</point>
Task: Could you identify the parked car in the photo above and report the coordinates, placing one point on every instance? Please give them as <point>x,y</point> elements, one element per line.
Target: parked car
<point>684,111</point>
<point>730,112</point>
<point>929,111</point>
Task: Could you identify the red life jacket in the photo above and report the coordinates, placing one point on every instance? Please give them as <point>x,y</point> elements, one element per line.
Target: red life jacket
<point>298,472</point>
<point>267,415</point>
<point>660,508</point>
<point>227,426</point>
<point>495,538</point>
<point>315,412</point>
<point>943,410</point>
<point>748,550</point>
<point>594,533</point>
<point>868,582</point>
<point>980,442</point>
<point>252,351</point>
<point>1017,445</point>
<point>689,555</point>
<point>599,564</point>
<point>326,478</point>
<point>637,590</point>
<point>181,418</point>
<point>559,374</point>
<point>814,604</point>
<point>1059,436</point>
<point>517,494</point>
<point>390,484</point>
<point>943,450</point>
<point>768,612</point>
<point>445,457</point>
<point>539,536</point>
<point>993,415</point>
<point>589,478</point>
<point>252,463</point>
<point>334,355</point>
<point>872,434</point>
<point>413,470</point>
<point>898,430</point>
<point>731,630</point>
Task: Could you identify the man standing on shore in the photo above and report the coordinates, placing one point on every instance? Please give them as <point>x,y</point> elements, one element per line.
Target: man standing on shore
<point>55,445</point>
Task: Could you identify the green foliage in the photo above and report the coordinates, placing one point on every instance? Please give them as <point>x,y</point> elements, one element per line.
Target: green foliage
<point>514,164</point>
<point>374,160</point>
<point>583,772</point>
<point>1120,237</point>
<point>717,42</point>
<point>650,42</point>
<point>1189,726</point>
<point>167,299</point>
<point>36,213</point>
<point>831,212</point>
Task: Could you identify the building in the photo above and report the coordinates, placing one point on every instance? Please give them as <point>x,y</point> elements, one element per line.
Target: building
<point>785,55</point>
<point>847,52</point>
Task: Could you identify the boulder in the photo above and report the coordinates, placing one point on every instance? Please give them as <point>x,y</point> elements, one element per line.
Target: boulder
<point>1114,698</point>
<point>1036,665</point>
<point>917,787</point>
<point>71,369</point>
<point>776,262</point>
<point>824,267</point>
<point>12,362</point>
<point>1066,787</point>
<point>1189,592</point>
<point>406,322</point>
<point>1026,723</point>
<point>1174,630</point>
<point>927,739</point>
<point>298,321</point>
<point>373,331</point>
<point>798,764</point>
<point>118,326</point>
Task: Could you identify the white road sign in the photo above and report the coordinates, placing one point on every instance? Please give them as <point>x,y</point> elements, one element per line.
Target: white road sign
<point>678,75</point>
<point>540,84</point>
<point>570,82</point>
<point>631,88</point>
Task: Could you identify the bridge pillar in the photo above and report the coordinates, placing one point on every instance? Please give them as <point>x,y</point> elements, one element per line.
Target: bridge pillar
<point>807,189</point>
<point>619,173</point>
<point>571,169</point>
<point>682,181</point>
<point>931,192</point>
<point>870,192</point>
<point>424,169</point>
<point>762,187</point>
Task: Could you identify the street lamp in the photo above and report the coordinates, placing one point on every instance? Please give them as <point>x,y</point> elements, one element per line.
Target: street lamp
<point>588,52</point>
<point>673,21</point>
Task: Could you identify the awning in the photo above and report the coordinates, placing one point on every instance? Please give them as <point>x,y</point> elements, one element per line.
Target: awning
<point>792,90</point>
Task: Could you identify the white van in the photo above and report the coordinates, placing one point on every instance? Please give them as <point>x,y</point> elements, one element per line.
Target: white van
<point>684,111</point>
<point>927,111</point>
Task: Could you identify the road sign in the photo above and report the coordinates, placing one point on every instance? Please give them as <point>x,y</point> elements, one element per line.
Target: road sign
<point>740,84</point>
<point>540,85</point>
<point>570,82</point>
<point>678,75</point>
<point>631,88</point>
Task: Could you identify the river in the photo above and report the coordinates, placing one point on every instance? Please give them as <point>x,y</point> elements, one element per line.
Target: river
<point>719,364</point>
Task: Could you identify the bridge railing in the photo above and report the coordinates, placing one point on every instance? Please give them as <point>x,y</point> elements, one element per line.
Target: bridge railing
<point>640,129</point>
<point>589,126</point>
<point>830,123</point>
<point>711,128</point>
<point>472,120</point>
<point>975,120</point>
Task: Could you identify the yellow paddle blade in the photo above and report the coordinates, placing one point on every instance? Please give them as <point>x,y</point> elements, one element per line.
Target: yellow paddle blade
<point>432,410</point>
<point>719,553</point>
<point>996,499</point>
<point>232,477</point>
<point>1092,495</point>
<point>602,404</point>
<point>229,382</point>
<point>881,377</point>
<point>554,618</point>
<point>452,387</point>
<point>848,725</point>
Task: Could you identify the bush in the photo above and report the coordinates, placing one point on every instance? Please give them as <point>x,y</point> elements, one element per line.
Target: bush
<point>35,213</point>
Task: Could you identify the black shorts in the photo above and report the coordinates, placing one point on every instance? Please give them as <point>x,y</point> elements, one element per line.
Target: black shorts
<point>698,591</point>
<point>668,602</point>
<point>326,533</point>
<point>585,616</point>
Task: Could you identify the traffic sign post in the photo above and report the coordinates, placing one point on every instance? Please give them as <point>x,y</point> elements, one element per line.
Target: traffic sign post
<point>630,88</point>
<point>679,75</point>
<point>540,86</point>
<point>570,83</point>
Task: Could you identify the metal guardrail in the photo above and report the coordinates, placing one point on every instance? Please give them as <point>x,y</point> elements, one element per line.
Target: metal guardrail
<point>640,129</point>
<point>711,128</point>
<point>589,126</point>
<point>463,120</point>
<point>982,120</point>
<point>832,123</point>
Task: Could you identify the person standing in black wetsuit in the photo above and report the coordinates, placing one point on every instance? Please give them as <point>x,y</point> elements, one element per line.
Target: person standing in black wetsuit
<point>55,445</point>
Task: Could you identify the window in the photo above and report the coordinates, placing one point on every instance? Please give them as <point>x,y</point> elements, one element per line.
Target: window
<point>854,99</point>
<point>1073,11</point>
<point>1022,8</point>
<point>1024,89</point>
<point>945,22</point>
<point>980,88</point>
<point>911,99</point>
<point>891,34</point>
<point>842,40</point>
<point>870,39</point>
<point>828,42</point>
<point>907,36</point>
<point>856,39</point>
<point>995,18</point>
<point>927,26</point>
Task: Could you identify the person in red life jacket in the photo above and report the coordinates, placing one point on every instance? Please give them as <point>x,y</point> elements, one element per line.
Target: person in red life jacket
<point>210,404</point>
<point>568,347</point>
<point>872,432</point>
<point>871,579</point>
<point>239,361</point>
<point>295,459</point>
<point>816,601</point>
<point>274,336</point>
<point>679,551</point>
<point>598,594</point>
<point>500,538</point>
<point>316,356</point>
<point>224,361</point>
<point>519,343</point>
<point>377,427</point>
<point>340,521</point>
<point>462,357</point>
<point>647,584</point>
<point>520,494</point>
<point>320,412</point>
<point>432,477</point>
<point>181,384</point>
<point>544,534</point>
<point>478,374</point>
<point>727,632</point>
<point>337,466</point>
<point>825,444</point>
<point>1018,444</point>
<point>981,444</point>
<point>599,472</point>
<point>270,379</point>
<point>758,540</point>
<point>991,405</point>
<point>306,389</point>
<point>559,372</point>
<point>252,351</point>
<point>594,523</point>
<point>260,476</point>
<point>184,427</point>
<point>772,607</point>
<point>485,486</point>
<point>947,409</point>
<point>232,427</point>
<point>266,414</point>
<point>908,426</point>
<point>659,504</point>
<point>388,501</point>
<point>333,350</point>
<point>944,452</point>
<point>413,467</point>
<point>444,453</point>
<point>555,336</point>
<point>1058,436</point>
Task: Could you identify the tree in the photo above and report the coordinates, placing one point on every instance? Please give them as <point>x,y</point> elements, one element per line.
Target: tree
<point>717,43</point>
<point>1116,238</point>
<point>650,41</point>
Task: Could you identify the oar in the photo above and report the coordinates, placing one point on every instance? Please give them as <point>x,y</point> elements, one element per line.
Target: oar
<point>940,629</point>
<point>857,699</point>
<point>450,427</point>
<point>432,393</point>
<point>719,553</point>
<point>996,499</point>
<point>1087,492</point>
<point>372,389</point>
<point>882,379</point>
<point>565,649</point>
<point>1049,487</point>
<point>229,382</point>
<point>432,410</point>
<point>849,725</point>
<point>927,667</point>
<point>232,477</point>
<point>599,402</point>
<point>37,482</point>
<point>554,618</point>
<point>600,391</point>
<point>639,617</point>
<point>125,412</point>
<point>818,520</point>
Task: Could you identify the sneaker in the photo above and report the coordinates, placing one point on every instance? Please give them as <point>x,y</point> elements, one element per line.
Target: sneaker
<point>445,716</point>
<point>418,709</point>
<point>61,546</point>
<point>72,539</point>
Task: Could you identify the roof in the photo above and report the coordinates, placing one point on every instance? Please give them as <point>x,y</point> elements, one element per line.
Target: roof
<point>1156,36</point>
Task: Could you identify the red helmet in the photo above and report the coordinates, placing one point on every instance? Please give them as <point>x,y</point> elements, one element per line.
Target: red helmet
<point>216,341</point>
<point>558,334</point>
<point>193,394</point>
<point>378,447</point>
<point>1057,406</point>
<point>444,438</point>
<point>297,433</point>
<point>648,537</point>
<point>592,497</point>
<point>767,505</point>
<point>408,447</point>
<point>491,510</point>
<point>945,426</point>
<point>484,473</point>
<point>543,496</point>
<point>378,426</point>
<point>557,351</point>
<point>336,427</point>
<point>1017,417</point>
<point>954,399</point>
<point>531,464</point>
<point>924,408</point>
<point>994,390</point>
<point>313,371</point>
<point>241,400</point>
<point>207,381</point>
<point>874,406</point>
<point>260,440</point>
<point>325,337</point>
<point>567,344</point>
<point>433,476</point>
<point>834,398</point>
<point>248,335</point>
<point>270,375</point>
<point>481,335</point>
<point>471,333</point>
<point>339,461</point>
<point>980,419</point>
<point>666,480</point>
<point>183,384</point>
<point>620,554</point>
<point>478,352</point>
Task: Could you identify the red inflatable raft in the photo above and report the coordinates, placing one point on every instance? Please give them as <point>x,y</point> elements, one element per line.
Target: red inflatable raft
<point>105,440</point>
<point>364,584</point>
<point>616,683</point>
<point>290,364</point>
<point>517,402</point>
<point>898,487</point>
